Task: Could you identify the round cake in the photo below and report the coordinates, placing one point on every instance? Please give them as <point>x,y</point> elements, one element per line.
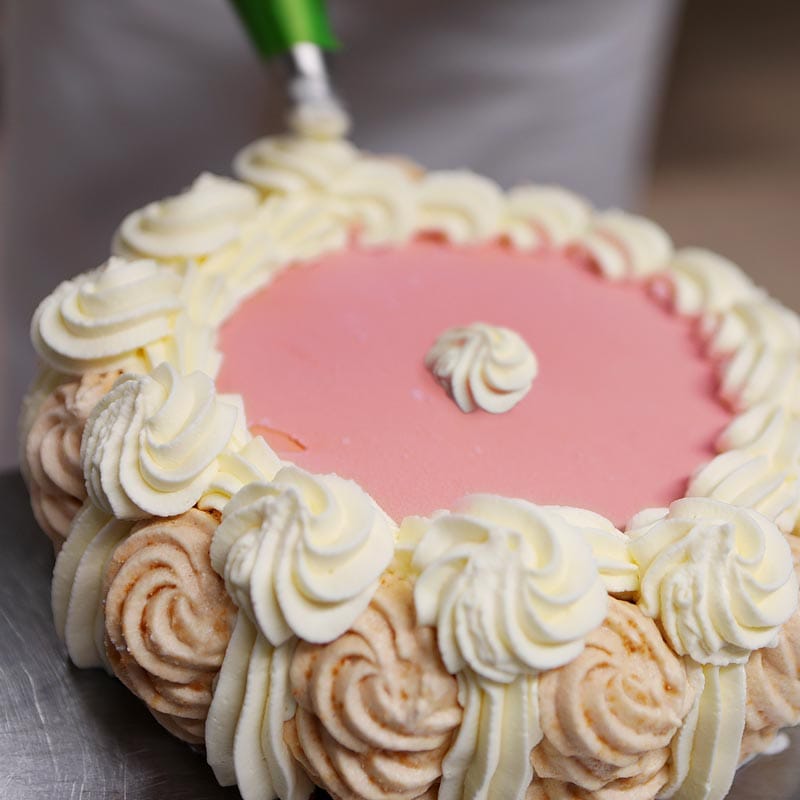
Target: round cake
<point>392,483</point>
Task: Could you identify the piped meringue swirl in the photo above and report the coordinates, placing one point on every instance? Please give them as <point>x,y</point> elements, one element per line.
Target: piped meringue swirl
<point>376,708</point>
<point>610,715</point>
<point>168,619</point>
<point>483,366</point>
<point>151,444</point>
<point>511,587</point>
<point>302,555</point>
<point>53,450</point>
<point>99,320</point>
<point>203,218</point>
<point>718,578</point>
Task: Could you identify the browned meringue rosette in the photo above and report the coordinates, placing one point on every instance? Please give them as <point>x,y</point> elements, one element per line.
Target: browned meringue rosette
<point>773,682</point>
<point>609,716</point>
<point>168,619</point>
<point>53,451</point>
<point>377,710</point>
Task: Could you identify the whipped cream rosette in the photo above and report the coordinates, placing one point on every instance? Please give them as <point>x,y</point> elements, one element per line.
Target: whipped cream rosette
<point>512,588</point>
<point>483,366</point>
<point>151,444</point>
<point>100,320</point>
<point>302,555</point>
<point>200,220</point>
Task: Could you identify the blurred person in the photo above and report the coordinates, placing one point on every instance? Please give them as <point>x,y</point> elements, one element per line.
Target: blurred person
<point>111,105</point>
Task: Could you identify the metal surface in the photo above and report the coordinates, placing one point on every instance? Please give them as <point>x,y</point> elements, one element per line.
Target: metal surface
<point>79,734</point>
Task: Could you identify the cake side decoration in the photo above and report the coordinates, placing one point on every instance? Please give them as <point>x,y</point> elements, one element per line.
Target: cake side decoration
<point>78,594</point>
<point>773,682</point>
<point>244,732</point>
<point>376,708</point>
<point>53,449</point>
<point>720,581</point>
<point>610,715</point>
<point>483,366</point>
<point>168,619</point>
<point>151,444</point>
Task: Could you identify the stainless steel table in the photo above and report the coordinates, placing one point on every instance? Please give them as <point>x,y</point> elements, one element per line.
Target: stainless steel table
<point>80,735</point>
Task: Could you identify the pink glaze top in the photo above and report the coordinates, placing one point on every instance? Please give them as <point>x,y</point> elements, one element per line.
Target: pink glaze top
<point>330,358</point>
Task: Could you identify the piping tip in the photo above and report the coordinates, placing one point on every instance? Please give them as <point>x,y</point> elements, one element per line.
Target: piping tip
<point>316,111</point>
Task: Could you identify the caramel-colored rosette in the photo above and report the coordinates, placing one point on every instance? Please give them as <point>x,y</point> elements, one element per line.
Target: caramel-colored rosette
<point>377,710</point>
<point>53,452</point>
<point>609,716</point>
<point>168,619</point>
<point>773,682</point>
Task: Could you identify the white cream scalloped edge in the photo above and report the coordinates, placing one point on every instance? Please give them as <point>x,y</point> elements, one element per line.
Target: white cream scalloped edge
<point>181,266</point>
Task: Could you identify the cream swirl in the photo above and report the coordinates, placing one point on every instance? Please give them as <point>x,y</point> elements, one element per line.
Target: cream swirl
<point>490,757</point>
<point>759,466</point>
<point>290,164</point>
<point>168,619</point>
<point>461,206</point>
<point>483,366</point>
<point>245,723</point>
<point>251,462</point>
<point>376,708</point>
<point>150,445</point>
<point>756,322</point>
<point>544,216</point>
<point>610,715</point>
<point>77,591</point>
<point>718,578</point>
<point>53,450</point>
<point>190,347</point>
<point>758,373</point>
<point>511,587</point>
<point>100,319</point>
<point>623,246</point>
<point>617,569</point>
<point>378,199</point>
<point>302,555</point>
<point>203,218</point>
<point>701,282</point>
<point>285,229</point>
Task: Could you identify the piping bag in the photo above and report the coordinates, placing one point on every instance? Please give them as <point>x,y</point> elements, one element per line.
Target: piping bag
<point>299,33</point>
